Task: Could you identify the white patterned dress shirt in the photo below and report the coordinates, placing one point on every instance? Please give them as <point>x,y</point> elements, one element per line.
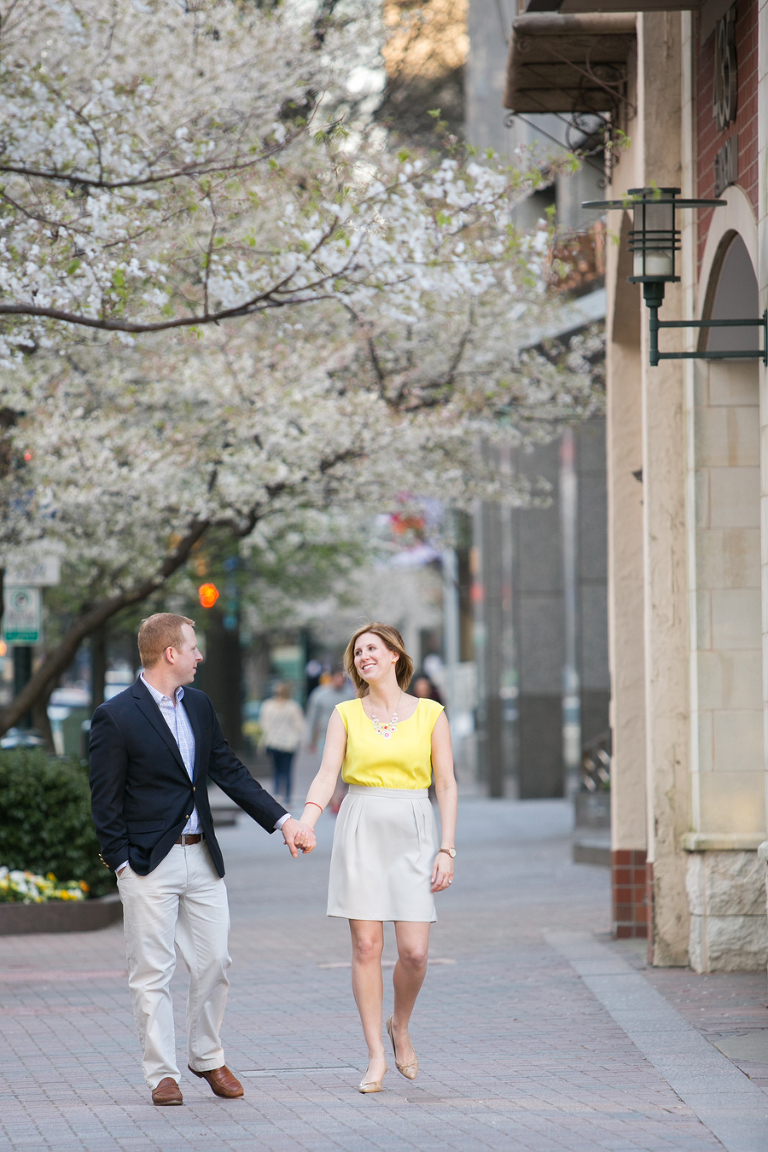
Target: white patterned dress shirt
<point>178,721</point>
<point>181,729</point>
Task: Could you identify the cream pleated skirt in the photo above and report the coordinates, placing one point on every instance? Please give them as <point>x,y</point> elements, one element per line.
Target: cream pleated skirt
<point>383,852</point>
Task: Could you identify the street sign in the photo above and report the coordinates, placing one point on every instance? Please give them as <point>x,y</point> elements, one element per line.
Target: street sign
<point>22,615</point>
<point>35,571</point>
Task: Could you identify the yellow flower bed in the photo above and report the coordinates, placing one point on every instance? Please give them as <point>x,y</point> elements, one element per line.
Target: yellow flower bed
<point>17,887</point>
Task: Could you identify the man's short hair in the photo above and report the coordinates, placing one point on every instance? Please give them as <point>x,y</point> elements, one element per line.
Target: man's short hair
<point>158,632</point>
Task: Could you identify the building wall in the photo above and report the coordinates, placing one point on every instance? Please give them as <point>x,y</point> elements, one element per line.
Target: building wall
<point>648,539</point>
<point>724,880</point>
<point>592,562</point>
<point>538,612</point>
<point>709,137</point>
<point>729,793</point>
<point>702,768</point>
<point>538,625</point>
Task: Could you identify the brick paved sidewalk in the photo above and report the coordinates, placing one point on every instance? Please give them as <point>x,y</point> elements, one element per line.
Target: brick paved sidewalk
<point>515,1052</point>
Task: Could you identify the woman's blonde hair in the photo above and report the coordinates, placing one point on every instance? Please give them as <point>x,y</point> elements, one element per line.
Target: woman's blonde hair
<point>394,642</point>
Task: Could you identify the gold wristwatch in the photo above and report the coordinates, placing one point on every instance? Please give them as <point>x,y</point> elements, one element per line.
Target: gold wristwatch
<point>451,852</point>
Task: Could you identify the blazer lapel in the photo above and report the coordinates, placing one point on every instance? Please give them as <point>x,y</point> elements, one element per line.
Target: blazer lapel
<point>156,719</point>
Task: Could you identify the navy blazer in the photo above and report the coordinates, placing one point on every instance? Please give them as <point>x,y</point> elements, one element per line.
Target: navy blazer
<point>141,793</point>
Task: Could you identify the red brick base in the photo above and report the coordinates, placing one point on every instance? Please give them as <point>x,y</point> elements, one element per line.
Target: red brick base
<point>630,912</point>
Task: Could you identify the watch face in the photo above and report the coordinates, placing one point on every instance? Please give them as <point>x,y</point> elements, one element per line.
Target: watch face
<point>453,853</point>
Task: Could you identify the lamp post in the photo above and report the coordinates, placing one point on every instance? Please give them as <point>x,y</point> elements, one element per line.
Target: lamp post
<point>654,242</point>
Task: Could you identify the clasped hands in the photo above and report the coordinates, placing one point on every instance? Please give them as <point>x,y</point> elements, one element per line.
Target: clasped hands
<point>298,837</point>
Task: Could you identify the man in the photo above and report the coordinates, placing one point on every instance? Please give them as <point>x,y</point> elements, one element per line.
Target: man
<point>152,748</point>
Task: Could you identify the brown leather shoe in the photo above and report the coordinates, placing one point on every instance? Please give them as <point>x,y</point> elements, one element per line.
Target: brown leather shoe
<point>221,1081</point>
<point>167,1093</point>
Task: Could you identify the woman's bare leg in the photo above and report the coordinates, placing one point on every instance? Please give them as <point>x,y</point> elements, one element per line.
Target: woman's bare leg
<point>410,970</point>
<point>368,989</point>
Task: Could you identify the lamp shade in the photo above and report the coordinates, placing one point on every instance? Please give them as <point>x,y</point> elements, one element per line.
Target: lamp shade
<point>654,238</point>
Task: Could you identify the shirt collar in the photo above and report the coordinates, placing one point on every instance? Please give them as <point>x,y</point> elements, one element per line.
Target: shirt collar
<point>158,696</point>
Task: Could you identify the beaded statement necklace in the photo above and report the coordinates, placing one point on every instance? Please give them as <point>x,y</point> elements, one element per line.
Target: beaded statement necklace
<point>386,729</point>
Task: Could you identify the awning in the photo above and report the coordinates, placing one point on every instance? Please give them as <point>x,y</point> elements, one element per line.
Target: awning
<point>568,63</point>
<point>571,6</point>
<point>710,10</point>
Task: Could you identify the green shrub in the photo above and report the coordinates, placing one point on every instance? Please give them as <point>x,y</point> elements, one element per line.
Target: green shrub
<point>45,819</point>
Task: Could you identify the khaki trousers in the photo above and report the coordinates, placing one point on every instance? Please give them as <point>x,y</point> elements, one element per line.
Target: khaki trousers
<point>181,905</point>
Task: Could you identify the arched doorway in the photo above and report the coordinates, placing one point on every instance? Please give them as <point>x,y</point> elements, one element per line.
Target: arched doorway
<point>732,293</point>
<point>727,698</point>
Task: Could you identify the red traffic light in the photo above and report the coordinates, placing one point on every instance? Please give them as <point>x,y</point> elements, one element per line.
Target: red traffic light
<point>208,594</point>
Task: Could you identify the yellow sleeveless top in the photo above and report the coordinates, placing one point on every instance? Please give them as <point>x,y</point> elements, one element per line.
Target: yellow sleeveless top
<point>403,761</point>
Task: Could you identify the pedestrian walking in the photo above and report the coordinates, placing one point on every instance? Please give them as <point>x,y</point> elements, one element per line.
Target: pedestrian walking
<point>320,706</point>
<point>282,729</point>
<point>384,866</point>
<point>152,748</point>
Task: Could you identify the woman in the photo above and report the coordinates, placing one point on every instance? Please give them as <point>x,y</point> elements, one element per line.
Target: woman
<point>425,689</point>
<point>384,865</point>
<point>282,728</point>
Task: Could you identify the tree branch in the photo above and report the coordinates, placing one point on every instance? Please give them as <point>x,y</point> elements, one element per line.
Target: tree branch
<point>59,659</point>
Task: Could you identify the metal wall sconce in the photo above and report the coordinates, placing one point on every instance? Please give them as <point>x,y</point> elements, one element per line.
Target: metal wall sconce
<point>653,242</point>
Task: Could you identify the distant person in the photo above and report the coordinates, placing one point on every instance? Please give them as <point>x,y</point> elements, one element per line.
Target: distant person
<point>425,689</point>
<point>320,705</point>
<point>320,708</point>
<point>313,672</point>
<point>152,749</point>
<point>282,728</point>
<point>384,864</point>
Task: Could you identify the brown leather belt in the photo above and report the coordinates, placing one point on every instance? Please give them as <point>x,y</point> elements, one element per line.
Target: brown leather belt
<point>190,838</point>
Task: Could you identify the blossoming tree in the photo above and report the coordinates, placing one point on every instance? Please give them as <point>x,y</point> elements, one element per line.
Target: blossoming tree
<point>170,165</point>
<point>318,321</point>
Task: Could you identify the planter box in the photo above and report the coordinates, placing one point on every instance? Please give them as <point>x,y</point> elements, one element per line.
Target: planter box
<point>60,916</point>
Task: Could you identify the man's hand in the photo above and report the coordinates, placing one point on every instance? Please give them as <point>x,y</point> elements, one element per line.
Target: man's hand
<point>298,837</point>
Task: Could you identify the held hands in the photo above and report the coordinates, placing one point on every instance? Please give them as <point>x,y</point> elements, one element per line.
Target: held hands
<point>298,837</point>
<point>442,872</point>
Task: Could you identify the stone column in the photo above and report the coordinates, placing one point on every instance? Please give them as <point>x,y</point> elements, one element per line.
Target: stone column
<point>625,588</point>
<point>664,526</point>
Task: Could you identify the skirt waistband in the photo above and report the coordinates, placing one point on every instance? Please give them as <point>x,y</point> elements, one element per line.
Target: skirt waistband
<point>389,793</point>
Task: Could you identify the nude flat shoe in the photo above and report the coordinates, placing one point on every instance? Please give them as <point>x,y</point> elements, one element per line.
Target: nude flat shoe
<point>367,1086</point>
<point>411,1070</point>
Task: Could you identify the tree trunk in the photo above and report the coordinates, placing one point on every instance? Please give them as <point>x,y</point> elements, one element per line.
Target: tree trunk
<point>40,719</point>
<point>98,666</point>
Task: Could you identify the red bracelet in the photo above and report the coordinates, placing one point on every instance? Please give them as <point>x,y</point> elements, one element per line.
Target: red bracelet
<point>315,804</point>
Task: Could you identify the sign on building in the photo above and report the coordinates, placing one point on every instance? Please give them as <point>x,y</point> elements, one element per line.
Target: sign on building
<point>38,571</point>
<point>22,615</point>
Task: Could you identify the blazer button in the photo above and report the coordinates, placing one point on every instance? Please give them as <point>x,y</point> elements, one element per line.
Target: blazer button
<point>193,788</point>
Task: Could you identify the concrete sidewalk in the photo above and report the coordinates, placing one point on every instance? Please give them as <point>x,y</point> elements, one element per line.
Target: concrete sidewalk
<point>525,1038</point>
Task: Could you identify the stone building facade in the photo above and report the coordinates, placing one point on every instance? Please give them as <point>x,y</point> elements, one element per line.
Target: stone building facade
<point>684,96</point>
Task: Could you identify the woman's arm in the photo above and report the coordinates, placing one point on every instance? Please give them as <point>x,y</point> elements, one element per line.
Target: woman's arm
<point>447,800</point>
<point>322,787</point>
